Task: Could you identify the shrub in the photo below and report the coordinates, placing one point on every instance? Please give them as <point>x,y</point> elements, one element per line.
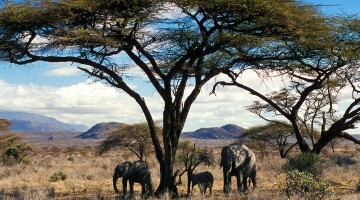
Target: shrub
<point>13,150</point>
<point>307,162</point>
<point>345,161</point>
<point>306,186</point>
<point>57,176</point>
<point>70,159</point>
<point>358,186</point>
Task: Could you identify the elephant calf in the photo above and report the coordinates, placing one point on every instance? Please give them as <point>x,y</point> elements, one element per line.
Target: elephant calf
<point>204,180</point>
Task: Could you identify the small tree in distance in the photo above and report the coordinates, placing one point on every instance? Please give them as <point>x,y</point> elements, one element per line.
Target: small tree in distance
<point>134,137</point>
<point>276,133</point>
<point>191,157</point>
<point>12,148</point>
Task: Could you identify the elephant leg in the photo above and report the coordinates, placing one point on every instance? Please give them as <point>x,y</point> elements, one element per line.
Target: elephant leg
<point>131,183</point>
<point>238,182</point>
<point>124,183</point>
<point>150,188</point>
<point>253,178</point>
<point>245,184</point>
<point>239,178</point>
<point>201,188</point>
<point>143,189</point>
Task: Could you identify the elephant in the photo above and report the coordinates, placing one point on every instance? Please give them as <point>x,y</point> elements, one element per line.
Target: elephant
<point>204,180</point>
<point>238,160</point>
<point>138,172</point>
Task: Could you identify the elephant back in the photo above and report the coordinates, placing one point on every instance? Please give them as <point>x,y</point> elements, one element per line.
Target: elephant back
<point>139,171</point>
<point>244,157</point>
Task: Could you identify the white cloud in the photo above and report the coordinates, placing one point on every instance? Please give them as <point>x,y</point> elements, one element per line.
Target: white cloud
<point>93,102</point>
<point>63,71</point>
<point>86,103</point>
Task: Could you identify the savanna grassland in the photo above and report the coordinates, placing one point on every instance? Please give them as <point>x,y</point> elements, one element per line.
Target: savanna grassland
<point>86,175</point>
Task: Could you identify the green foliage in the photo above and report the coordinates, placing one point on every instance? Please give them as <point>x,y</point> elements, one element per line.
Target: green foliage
<point>5,125</point>
<point>345,161</point>
<point>358,186</point>
<point>135,137</point>
<point>275,133</point>
<point>13,150</point>
<point>18,152</point>
<point>306,162</point>
<point>70,159</point>
<point>57,176</point>
<point>306,186</point>
<point>303,172</point>
<point>190,157</point>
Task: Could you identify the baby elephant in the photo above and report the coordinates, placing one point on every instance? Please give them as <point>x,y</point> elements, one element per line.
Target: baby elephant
<point>204,179</point>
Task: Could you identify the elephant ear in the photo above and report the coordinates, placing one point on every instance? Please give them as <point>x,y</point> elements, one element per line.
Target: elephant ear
<point>240,154</point>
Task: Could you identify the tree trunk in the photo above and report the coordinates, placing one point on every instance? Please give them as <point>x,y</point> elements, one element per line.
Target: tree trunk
<point>303,146</point>
<point>324,140</point>
<point>281,151</point>
<point>167,179</point>
<point>189,175</point>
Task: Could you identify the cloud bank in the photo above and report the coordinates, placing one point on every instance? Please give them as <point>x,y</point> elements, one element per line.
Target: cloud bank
<point>92,102</point>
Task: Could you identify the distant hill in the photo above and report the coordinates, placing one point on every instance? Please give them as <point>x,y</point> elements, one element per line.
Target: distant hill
<point>229,131</point>
<point>100,130</point>
<point>30,122</point>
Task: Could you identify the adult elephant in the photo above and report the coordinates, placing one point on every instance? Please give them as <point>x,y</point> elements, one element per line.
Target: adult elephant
<point>138,172</point>
<point>238,160</point>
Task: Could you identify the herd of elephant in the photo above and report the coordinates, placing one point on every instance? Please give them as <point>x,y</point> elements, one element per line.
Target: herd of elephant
<point>236,160</point>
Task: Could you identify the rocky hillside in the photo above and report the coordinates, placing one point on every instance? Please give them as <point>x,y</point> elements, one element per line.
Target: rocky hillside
<point>30,122</point>
<point>229,131</point>
<point>100,130</point>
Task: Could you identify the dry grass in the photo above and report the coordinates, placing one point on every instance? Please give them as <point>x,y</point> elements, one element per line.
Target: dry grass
<point>89,176</point>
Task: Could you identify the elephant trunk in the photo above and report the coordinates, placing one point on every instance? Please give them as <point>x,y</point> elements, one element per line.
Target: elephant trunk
<point>115,177</point>
<point>227,181</point>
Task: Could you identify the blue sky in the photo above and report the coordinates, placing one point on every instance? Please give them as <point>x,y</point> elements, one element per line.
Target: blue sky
<point>61,91</point>
<point>338,6</point>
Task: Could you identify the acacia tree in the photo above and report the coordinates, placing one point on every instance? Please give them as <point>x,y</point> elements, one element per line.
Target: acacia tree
<point>191,157</point>
<point>12,148</point>
<point>277,134</point>
<point>322,69</point>
<point>200,41</point>
<point>134,137</point>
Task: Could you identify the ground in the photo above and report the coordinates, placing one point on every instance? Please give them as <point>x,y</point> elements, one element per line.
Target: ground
<point>89,175</point>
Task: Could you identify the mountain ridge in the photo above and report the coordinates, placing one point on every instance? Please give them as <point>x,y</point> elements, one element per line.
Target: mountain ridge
<point>31,122</point>
<point>100,130</point>
<point>228,131</point>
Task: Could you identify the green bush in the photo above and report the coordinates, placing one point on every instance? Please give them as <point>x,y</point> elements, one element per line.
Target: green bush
<point>345,161</point>
<point>57,176</point>
<point>70,159</point>
<point>13,150</point>
<point>358,186</point>
<point>306,186</point>
<point>307,162</point>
